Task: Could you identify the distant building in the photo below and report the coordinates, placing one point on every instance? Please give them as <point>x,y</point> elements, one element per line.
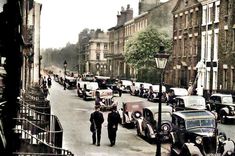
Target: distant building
<point>97,47</point>
<point>83,40</point>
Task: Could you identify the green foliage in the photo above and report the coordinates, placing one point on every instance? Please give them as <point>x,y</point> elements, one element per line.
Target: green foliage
<point>58,56</point>
<point>141,48</point>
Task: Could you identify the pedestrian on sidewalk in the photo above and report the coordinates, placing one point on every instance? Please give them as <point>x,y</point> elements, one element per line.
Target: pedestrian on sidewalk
<point>113,120</point>
<point>96,119</point>
<point>49,81</point>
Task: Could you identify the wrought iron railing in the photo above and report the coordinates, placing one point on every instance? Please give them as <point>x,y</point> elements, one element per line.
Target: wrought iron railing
<point>45,148</point>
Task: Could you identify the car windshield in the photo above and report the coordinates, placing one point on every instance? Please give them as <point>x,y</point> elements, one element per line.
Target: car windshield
<point>227,99</point>
<point>165,116</point>
<point>200,123</point>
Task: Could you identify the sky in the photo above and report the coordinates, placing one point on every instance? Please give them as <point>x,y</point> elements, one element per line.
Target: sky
<point>63,20</point>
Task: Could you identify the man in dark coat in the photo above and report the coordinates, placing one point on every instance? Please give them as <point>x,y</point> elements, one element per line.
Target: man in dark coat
<point>96,120</point>
<point>113,120</point>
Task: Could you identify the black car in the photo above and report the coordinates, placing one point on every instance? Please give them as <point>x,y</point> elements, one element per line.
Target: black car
<point>194,132</point>
<point>223,105</point>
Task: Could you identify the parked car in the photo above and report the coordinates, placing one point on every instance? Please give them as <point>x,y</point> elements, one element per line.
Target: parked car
<point>223,105</point>
<point>106,82</point>
<point>135,87</point>
<point>107,99</point>
<point>70,82</point>
<point>154,96</point>
<point>130,111</point>
<point>147,124</point>
<point>179,91</point>
<point>86,89</point>
<point>144,89</point>
<point>126,84</point>
<point>87,77</point>
<point>189,102</point>
<point>194,132</point>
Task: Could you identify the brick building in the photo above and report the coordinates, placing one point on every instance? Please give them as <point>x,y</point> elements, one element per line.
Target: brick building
<point>186,42</point>
<point>226,47</point>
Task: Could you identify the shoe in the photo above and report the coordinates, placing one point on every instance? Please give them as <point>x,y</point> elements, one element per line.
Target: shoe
<point>98,144</point>
<point>93,143</point>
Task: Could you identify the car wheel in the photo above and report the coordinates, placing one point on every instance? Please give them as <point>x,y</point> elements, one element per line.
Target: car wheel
<point>84,97</point>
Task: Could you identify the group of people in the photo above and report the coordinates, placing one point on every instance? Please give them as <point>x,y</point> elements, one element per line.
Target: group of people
<point>97,119</point>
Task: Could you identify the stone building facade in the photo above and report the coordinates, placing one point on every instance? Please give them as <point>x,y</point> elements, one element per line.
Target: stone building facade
<point>186,42</point>
<point>115,58</point>
<point>97,47</point>
<point>92,46</point>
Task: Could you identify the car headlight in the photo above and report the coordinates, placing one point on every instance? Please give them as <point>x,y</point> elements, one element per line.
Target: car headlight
<point>198,140</point>
<point>137,115</point>
<point>221,138</point>
<point>229,152</point>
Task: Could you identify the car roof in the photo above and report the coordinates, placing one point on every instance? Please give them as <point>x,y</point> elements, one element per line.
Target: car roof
<point>190,97</point>
<point>155,109</point>
<point>220,94</point>
<point>102,77</point>
<point>194,114</point>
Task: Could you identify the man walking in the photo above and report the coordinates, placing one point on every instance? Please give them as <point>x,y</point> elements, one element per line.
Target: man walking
<point>96,120</point>
<point>113,120</point>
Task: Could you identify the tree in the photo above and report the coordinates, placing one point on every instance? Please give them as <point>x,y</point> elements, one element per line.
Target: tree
<point>141,48</point>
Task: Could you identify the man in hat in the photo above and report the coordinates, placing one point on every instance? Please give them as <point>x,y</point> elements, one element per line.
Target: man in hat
<point>113,120</point>
<point>96,120</point>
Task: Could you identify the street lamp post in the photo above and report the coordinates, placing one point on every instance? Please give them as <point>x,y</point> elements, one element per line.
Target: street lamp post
<point>161,60</point>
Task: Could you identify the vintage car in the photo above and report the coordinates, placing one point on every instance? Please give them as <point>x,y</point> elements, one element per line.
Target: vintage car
<point>107,99</point>
<point>130,111</point>
<point>194,133</point>
<point>87,77</point>
<point>134,88</point>
<point>189,102</point>
<point>154,96</point>
<point>179,91</point>
<point>70,82</point>
<point>86,89</point>
<point>106,82</point>
<point>126,85</point>
<point>147,124</point>
<point>144,89</point>
<point>223,105</point>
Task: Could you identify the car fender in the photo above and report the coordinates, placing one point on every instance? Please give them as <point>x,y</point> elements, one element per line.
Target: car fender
<point>224,109</point>
<point>126,118</point>
<point>150,129</point>
<point>173,137</point>
<point>139,121</point>
<point>192,149</point>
